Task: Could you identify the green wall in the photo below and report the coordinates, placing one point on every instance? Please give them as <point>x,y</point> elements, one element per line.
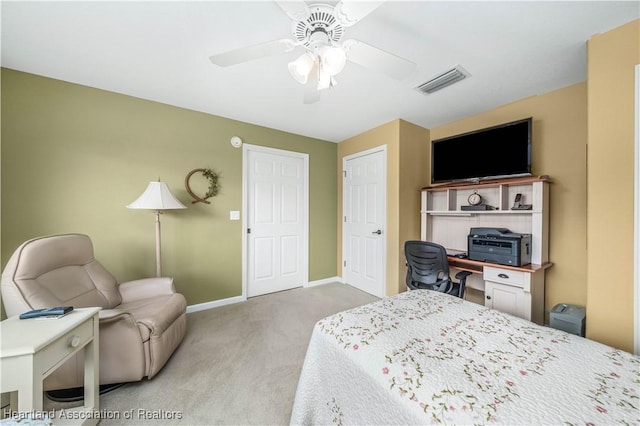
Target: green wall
<point>73,157</point>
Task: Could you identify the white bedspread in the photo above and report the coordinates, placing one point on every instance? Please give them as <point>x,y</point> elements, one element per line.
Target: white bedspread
<point>424,357</point>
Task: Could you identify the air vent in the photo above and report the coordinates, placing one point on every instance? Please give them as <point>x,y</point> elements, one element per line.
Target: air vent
<point>445,79</point>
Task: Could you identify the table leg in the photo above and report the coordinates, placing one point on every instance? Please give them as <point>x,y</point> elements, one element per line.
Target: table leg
<point>91,373</point>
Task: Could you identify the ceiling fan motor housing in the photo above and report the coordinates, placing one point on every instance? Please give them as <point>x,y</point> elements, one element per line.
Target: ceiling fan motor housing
<point>320,28</point>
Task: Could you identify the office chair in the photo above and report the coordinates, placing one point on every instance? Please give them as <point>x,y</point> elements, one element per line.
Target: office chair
<point>428,268</point>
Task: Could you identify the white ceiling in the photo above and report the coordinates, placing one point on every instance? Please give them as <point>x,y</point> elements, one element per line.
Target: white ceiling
<point>160,51</point>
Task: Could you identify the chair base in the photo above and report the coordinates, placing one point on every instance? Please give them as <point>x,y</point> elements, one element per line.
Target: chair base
<point>77,394</point>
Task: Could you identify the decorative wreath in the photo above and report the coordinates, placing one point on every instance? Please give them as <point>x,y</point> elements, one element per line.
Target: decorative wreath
<point>214,186</point>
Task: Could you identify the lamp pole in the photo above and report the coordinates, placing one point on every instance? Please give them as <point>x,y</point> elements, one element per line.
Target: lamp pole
<point>158,239</point>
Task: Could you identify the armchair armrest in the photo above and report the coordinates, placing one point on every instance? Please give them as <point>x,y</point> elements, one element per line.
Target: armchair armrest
<point>121,347</point>
<point>145,288</point>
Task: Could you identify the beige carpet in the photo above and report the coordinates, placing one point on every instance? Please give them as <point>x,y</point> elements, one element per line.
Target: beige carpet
<point>238,364</point>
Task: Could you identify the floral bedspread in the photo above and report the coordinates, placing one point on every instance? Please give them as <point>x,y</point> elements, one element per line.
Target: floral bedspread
<point>424,357</point>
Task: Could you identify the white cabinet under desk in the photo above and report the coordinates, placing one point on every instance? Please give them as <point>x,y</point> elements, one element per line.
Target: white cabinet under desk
<point>514,290</point>
<point>517,290</point>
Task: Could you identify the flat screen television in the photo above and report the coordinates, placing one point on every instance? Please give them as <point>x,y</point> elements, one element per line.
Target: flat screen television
<point>494,152</point>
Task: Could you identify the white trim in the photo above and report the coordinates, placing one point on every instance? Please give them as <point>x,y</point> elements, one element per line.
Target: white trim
<point>215,304</point>
<point>381,292</point>
<point>237,299</point>
<point>636,206</point>
<point>325,281</point>
<point>305,245</point>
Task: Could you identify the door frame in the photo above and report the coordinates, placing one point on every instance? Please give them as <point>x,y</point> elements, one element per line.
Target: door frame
<point>382,291</point>
<point>305,214</point>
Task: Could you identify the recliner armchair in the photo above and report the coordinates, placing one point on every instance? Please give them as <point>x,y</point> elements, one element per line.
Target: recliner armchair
<point>142,322</point>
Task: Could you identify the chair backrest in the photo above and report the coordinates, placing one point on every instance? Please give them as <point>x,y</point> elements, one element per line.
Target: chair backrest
<point>427,264</point>
<point>57,270</point>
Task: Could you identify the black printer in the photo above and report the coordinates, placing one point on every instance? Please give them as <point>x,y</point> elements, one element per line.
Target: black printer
<point>499,245</point>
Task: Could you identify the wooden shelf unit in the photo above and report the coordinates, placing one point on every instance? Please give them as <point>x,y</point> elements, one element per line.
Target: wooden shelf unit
<point>443,221</point>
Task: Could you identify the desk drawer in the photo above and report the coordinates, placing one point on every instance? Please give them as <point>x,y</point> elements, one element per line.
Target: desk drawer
<point>71,342</point>
<point>507,276</point>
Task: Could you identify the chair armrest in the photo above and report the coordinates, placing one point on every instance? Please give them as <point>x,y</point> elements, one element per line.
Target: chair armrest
<point>119,322</point>
<point>145,288</point>
<point>122,356</point>
<point>462,279</point>
<point>462,276</point>
<point>107,316</point>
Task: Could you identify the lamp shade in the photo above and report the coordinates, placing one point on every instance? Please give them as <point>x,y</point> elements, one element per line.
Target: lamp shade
<point>333,59</point>
<point>157,196</point>
<point>301,67</point>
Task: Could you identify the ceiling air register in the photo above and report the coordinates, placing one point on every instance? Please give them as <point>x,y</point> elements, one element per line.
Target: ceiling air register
<point>443,80</point>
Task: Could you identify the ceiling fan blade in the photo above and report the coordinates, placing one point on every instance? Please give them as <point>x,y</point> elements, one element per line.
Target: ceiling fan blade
<point>376,59</point>
<point>350,12</point>
<point>295,9</point>
<point>250,53</point>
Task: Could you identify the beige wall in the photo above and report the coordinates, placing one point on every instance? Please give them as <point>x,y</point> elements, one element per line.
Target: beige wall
<point>406,174</point>
<point>611,60</point>
<point>73,157</point>
<point>414,175</point>
<point>558,150</point>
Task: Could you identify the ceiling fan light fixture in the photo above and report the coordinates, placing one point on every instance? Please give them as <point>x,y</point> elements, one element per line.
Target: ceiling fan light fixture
<point>301,67</point>
<point>333,59</point>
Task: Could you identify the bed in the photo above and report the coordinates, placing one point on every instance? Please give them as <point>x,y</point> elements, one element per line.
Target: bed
<point>423,357</point>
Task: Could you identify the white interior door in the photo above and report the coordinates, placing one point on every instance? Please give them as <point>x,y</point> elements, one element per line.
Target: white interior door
<point>364,220</point>
<point>276,220</point>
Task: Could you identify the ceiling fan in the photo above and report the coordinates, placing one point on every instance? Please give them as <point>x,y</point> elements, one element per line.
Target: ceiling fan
<point>318,29</point>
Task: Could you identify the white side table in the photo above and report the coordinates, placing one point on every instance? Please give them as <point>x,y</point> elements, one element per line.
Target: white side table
<point>31,349</point>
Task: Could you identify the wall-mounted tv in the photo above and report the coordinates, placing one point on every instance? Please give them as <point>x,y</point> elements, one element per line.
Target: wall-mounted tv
<point>493,152</point>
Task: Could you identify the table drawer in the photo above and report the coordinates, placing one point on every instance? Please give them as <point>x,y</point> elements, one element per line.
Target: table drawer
<point>71,342</point>
<point>507,276</point>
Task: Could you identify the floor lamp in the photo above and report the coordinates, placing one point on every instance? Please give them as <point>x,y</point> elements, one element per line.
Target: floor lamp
<point>157,197</point>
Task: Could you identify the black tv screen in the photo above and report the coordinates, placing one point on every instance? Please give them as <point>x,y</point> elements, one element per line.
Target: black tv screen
<point>498,151</point>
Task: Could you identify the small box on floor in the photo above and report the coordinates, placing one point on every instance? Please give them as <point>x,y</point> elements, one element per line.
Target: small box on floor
<point>569,318</point>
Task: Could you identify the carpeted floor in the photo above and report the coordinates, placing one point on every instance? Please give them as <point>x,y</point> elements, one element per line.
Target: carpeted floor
<point>238,364</point>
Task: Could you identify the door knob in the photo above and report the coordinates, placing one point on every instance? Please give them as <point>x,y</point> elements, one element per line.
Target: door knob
<point>377,232</point>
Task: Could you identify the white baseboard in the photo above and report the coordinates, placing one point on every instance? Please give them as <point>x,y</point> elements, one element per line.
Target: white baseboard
<point>325,281</point>
<point>232,300</point>
<point>215,304</point>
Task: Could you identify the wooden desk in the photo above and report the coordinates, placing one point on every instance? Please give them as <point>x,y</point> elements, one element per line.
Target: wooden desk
<point>516,290</point>
<point>32,349</point>
<point>476,266</point>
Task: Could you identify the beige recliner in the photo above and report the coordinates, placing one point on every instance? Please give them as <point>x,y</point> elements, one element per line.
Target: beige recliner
<point>142,322</point>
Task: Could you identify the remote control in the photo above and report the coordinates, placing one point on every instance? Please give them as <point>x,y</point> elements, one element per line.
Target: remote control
<point>47,312</point>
